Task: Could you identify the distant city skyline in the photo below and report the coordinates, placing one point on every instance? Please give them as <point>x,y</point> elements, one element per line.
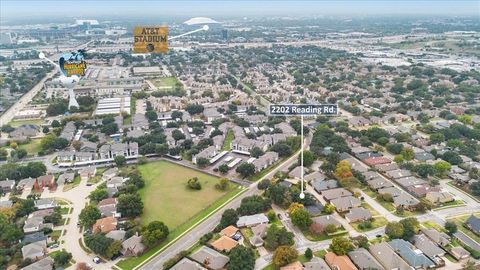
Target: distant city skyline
<point>21,10</point>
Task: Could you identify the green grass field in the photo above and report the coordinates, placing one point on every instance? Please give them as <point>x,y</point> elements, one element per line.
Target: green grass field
<point>26,122</point>
<point>32,147</point>
<point>164,82</point>
<point>166,192</point>
<point>228,140</point>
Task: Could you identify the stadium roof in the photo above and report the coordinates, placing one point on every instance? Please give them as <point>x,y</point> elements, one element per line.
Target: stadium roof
<point>200,20</point>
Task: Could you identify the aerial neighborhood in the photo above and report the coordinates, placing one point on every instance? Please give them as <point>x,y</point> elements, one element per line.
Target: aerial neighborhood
<point>173,161</point>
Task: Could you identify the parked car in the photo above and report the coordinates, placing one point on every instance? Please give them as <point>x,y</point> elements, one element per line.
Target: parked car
<point>97,260</point>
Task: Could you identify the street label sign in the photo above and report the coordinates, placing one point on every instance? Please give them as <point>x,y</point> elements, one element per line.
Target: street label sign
<point>150,39</point>
<point>303,109</point>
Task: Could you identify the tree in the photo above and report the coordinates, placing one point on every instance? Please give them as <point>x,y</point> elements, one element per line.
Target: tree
<point>54,218</point>
<point>113,249</point>
<point>194,109</point>
<point>294,206</point>
<point>229,217</point>
<point>98,243</point>
<point>452,157</point>
<point>89,215</point>
<point>21,153</point>
<point>410,227</point>
<point>394,148</point>
<point>77,145</point>
<point>343,170</point>
<point>407,153</point>
<point>223,168</point>
<point>62,258</point>
<point>330,228</point>
<point>151,115</point>
<point>308,158</point>
<point>241,258</point>
<point>451,227</point>
<point>253,205</point>
<point>424,170</point>
<point>98,194</point>
<point>441,168</point>
<point>256,152</point>
<point>154,232</point>
<point>329,208</point>
<point>279,195</point>
<point>437,138</point>
<point>130,205</point>
<point>278,236</point>
<point>120,161</point>
<point>177,135</point>
<point>394,230</point>
<point>264,184</point>
<point>194,184</point>
<point>284,255</point>
<point>246,169</point>
<point>308,254</point>
<point>222,184</point>
<point>341,245</point>
<point>301,218</point>
<point>203,162</point>
<point>282,148</point>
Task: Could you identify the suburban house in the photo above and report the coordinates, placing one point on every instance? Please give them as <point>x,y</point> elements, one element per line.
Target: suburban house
<point>45,204</point>
<point>133,246</point>
<point>187,264</point>
<point>224,244</point>
<point>405,200</point>
<point>253,220</point>
<point>66,178</point>
<point>335,193</point>
<point>439,197</point>
<point>429,248</point>
<point>118,235</point>
<point>316,263</point>
<point>7,185</point>
<point>410,255</point>
<point>344,204</point>
<point>108,208</point>
<point>439,238</point>
<point>105,225</point>
<point>339,262</point>
<point>232,232</point>
<point>387,257</point>
<point>364,260</point>
<point>207,153</point>
<point>293,266</point>
<point>211,258</point>
<point>87,173</point>
<point>43,264</point>
<point>358,214</point>
<point>320,222</point>
<point>473,223</point>
<point>34,251</point>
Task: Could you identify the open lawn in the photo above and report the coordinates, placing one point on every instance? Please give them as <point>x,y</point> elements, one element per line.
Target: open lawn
<point>164,83</point>
<point>166,192</point>
<point>228,140</point>
<point>376,223</point>
<point>26,122</point>
<point>32,147</point>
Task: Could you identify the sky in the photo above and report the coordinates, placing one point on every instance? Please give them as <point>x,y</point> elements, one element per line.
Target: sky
<point>20,9</point>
